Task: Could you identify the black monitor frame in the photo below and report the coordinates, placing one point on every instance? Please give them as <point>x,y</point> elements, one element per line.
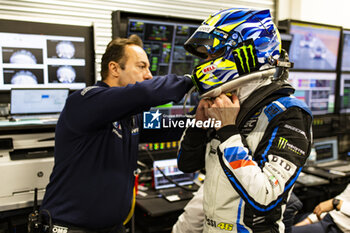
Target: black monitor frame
<point>14,26</point>
<point>341,72</point>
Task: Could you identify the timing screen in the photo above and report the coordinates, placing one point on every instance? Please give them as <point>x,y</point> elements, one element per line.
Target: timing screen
<point>317,90</point>
<point>163,43</point>
<point>314,47</point>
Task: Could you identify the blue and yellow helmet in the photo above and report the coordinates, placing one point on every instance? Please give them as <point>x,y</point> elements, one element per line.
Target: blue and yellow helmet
<point>240,41</point>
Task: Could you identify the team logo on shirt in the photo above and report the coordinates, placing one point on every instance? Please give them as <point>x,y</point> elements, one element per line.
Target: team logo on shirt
<point>117,129</point>
<point>151,120</point>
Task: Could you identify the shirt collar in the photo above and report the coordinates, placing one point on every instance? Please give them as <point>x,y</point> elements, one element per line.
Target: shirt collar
<point>101,84</point>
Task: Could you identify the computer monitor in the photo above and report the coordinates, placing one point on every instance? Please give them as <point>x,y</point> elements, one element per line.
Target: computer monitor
<point>326,149</point>
<point>314,46</point>
<point>317,89</point>
<point>163,38</point>
<point>345,61</point>
<point>170,169</point>
<point>37,101</point>
<point>41,55</point>
<point>344,93</point>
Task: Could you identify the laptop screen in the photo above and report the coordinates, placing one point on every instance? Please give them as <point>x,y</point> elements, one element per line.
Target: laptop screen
<point>326,149</point>
<point>169,168</point>
<point>37,101</point>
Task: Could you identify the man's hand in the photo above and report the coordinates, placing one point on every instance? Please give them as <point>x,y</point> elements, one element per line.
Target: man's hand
<point>202,110</point>
<point>224,109</point>
<point>324,206</point>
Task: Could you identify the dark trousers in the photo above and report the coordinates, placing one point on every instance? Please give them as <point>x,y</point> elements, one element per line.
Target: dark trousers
<point>326,225</point>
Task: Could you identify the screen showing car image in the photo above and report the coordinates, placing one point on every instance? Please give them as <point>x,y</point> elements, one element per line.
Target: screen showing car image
<point>314,47</point>
<point>40,55</point>
<point>344,93</point>
<point>345,61</point>
<point>163,43</point>
<point>316,89</point>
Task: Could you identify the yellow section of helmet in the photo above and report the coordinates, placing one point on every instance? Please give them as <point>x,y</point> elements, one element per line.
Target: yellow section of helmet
<point>211,21</point>
<point>223,64</point>
<point>208,82</point>
<point>227,65</point>
<point>279,39</point>
<point>229,27</point>
<point>216,42</point>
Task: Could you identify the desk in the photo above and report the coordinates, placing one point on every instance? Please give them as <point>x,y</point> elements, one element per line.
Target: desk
<point>37,125</point>
<point>333,178</point>
<point>312,195</point>
<point>155,214</point>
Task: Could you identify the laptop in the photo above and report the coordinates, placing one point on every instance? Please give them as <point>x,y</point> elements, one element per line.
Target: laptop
<point>327,156</point>
<point>167,189</point>
<point>38,103</point>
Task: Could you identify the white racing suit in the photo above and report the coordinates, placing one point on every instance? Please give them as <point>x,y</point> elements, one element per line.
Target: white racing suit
<point>251,168</point>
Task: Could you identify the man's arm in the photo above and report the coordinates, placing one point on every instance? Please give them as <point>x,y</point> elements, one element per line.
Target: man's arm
<point>98,106</point>
<point>326,206</point>
<point>191,154</point>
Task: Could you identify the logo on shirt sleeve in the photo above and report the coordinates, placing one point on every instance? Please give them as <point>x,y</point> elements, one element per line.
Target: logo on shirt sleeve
<point>151,120</point>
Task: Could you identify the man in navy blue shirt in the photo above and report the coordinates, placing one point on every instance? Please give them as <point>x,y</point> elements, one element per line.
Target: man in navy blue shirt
<point>96,142</point>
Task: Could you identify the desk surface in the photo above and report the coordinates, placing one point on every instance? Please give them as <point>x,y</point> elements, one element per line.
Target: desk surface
<point>155,205</point>
<point>326,174</point>
<point>6,125</point>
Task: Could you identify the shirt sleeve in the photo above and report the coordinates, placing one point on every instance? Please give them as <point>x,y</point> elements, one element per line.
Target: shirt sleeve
<point>89,110</point>
<point>264,177</point>
<point>191,154</point>
<point>345,197</point>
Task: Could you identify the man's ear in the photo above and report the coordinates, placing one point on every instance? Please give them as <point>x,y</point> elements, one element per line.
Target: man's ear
<point>114,69</point>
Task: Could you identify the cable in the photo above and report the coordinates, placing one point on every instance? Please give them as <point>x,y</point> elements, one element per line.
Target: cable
<point>168,178</point>
<point>188,94</point>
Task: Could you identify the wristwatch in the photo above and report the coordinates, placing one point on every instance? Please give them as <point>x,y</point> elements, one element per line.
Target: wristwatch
<point>335,203</point>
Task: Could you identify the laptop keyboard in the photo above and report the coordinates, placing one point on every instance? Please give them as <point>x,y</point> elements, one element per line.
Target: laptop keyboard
<point>308,179</point>
<point>332,163</point>
<point>344,168</point>
<point>179,192</point>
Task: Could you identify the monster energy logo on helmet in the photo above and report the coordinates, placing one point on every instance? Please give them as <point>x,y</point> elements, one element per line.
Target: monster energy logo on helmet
<point>245,57</point>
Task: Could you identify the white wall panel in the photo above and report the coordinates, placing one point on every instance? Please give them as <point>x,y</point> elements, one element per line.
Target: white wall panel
<point>99,13</point>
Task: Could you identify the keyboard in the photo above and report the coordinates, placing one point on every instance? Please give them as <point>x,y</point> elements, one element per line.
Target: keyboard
<point>344,168</point>
<point>176,194</point>
<point>311,180</point>
<point>333,163</point>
